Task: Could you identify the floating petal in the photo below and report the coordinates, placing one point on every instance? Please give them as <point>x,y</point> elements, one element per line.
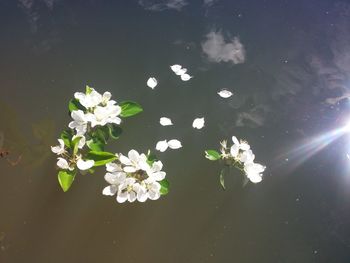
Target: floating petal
<point>186,77</point>
<point>162,146</point>
<point>198,123</point>
<point>165,121</point>
<point>174,144</point>
<point>180,72</point>
<point>225,93</point>
<point>175,67</point>
<point>152,83</point>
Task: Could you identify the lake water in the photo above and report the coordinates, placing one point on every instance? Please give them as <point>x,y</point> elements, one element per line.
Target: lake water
<point>288,66</point>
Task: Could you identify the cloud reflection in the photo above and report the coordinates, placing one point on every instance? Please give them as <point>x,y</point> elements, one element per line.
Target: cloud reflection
<point>160,5</point>
<point>218,50</point>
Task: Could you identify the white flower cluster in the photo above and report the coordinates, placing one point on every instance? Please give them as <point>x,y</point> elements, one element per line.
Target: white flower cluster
<point>67,162</point>
<point>133,178</point>
<point>241,153</point>
<point>100,110</point>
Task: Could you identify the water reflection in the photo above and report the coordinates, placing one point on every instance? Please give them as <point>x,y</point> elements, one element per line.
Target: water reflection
<point>290,93</point>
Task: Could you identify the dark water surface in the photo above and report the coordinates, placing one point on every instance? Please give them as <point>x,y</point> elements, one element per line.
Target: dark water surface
<point>290,74</point>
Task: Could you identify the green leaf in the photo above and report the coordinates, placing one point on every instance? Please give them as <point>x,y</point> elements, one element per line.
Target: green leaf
<point>95,145</point>
<point>88,90</point>
<point>164,187</point>
<point>102,134</point>
<point>75,144</point>
<point>66,136</point>
<point>100,158</point>
<point>129,108</point>
<point>74,104</point>
<point>151,158</point>
<point>212,155</point>
<point>222,179</point>
<point>114,131</point>
<point>66,178</point>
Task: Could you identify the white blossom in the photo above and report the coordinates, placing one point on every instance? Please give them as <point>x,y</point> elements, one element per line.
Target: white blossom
<point>134,162</point>
<point>198,123</point>
<point>90,100</point>
<point>152,82</point>
<point>164,121</point>
<point>133,178</point>
<point>153,188</point>
<point>79,122</point>
<point>104,115</point>
<point>59,149</point>
<point>126,191</point>
<point>242,145</point>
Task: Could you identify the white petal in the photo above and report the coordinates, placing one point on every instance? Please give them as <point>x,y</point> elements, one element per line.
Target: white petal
<point>115,178</point>
<point>129,169</point>
<point>186,77</point>
<point>122,197</point>
<point>153,195</point>
<point>79,95</point>
<point>110,190</point>
<point>174,144</point>
<point>78,115</point>
<point>234,150</point>
<point>165,121</point>
<point>162,146</point>
<point>253,168</point>
<point>59,149</point>
<point>181,71</point>
<point>225,93</point>
<point>143,165</point>
<point>115,120</point>
<point>106,96</point>
<point>247,157</point>
<point>62,163</point>
<point>152,83</point>
<point>124,160</point>
<point>175,67</point>
<point>85,165</point>
<point>113,167</point>
<point>235,140</point>
<point>198,123</point>
<point>244,146</point>
<point>157,166</point>
<point>132,196</point>
<point>134,156</point>
<point>142,196</point>
<point>158,176</point>
<point>255,178</point>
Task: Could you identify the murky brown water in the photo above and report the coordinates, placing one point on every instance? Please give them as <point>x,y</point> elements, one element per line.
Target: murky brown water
<point>289,73</point>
